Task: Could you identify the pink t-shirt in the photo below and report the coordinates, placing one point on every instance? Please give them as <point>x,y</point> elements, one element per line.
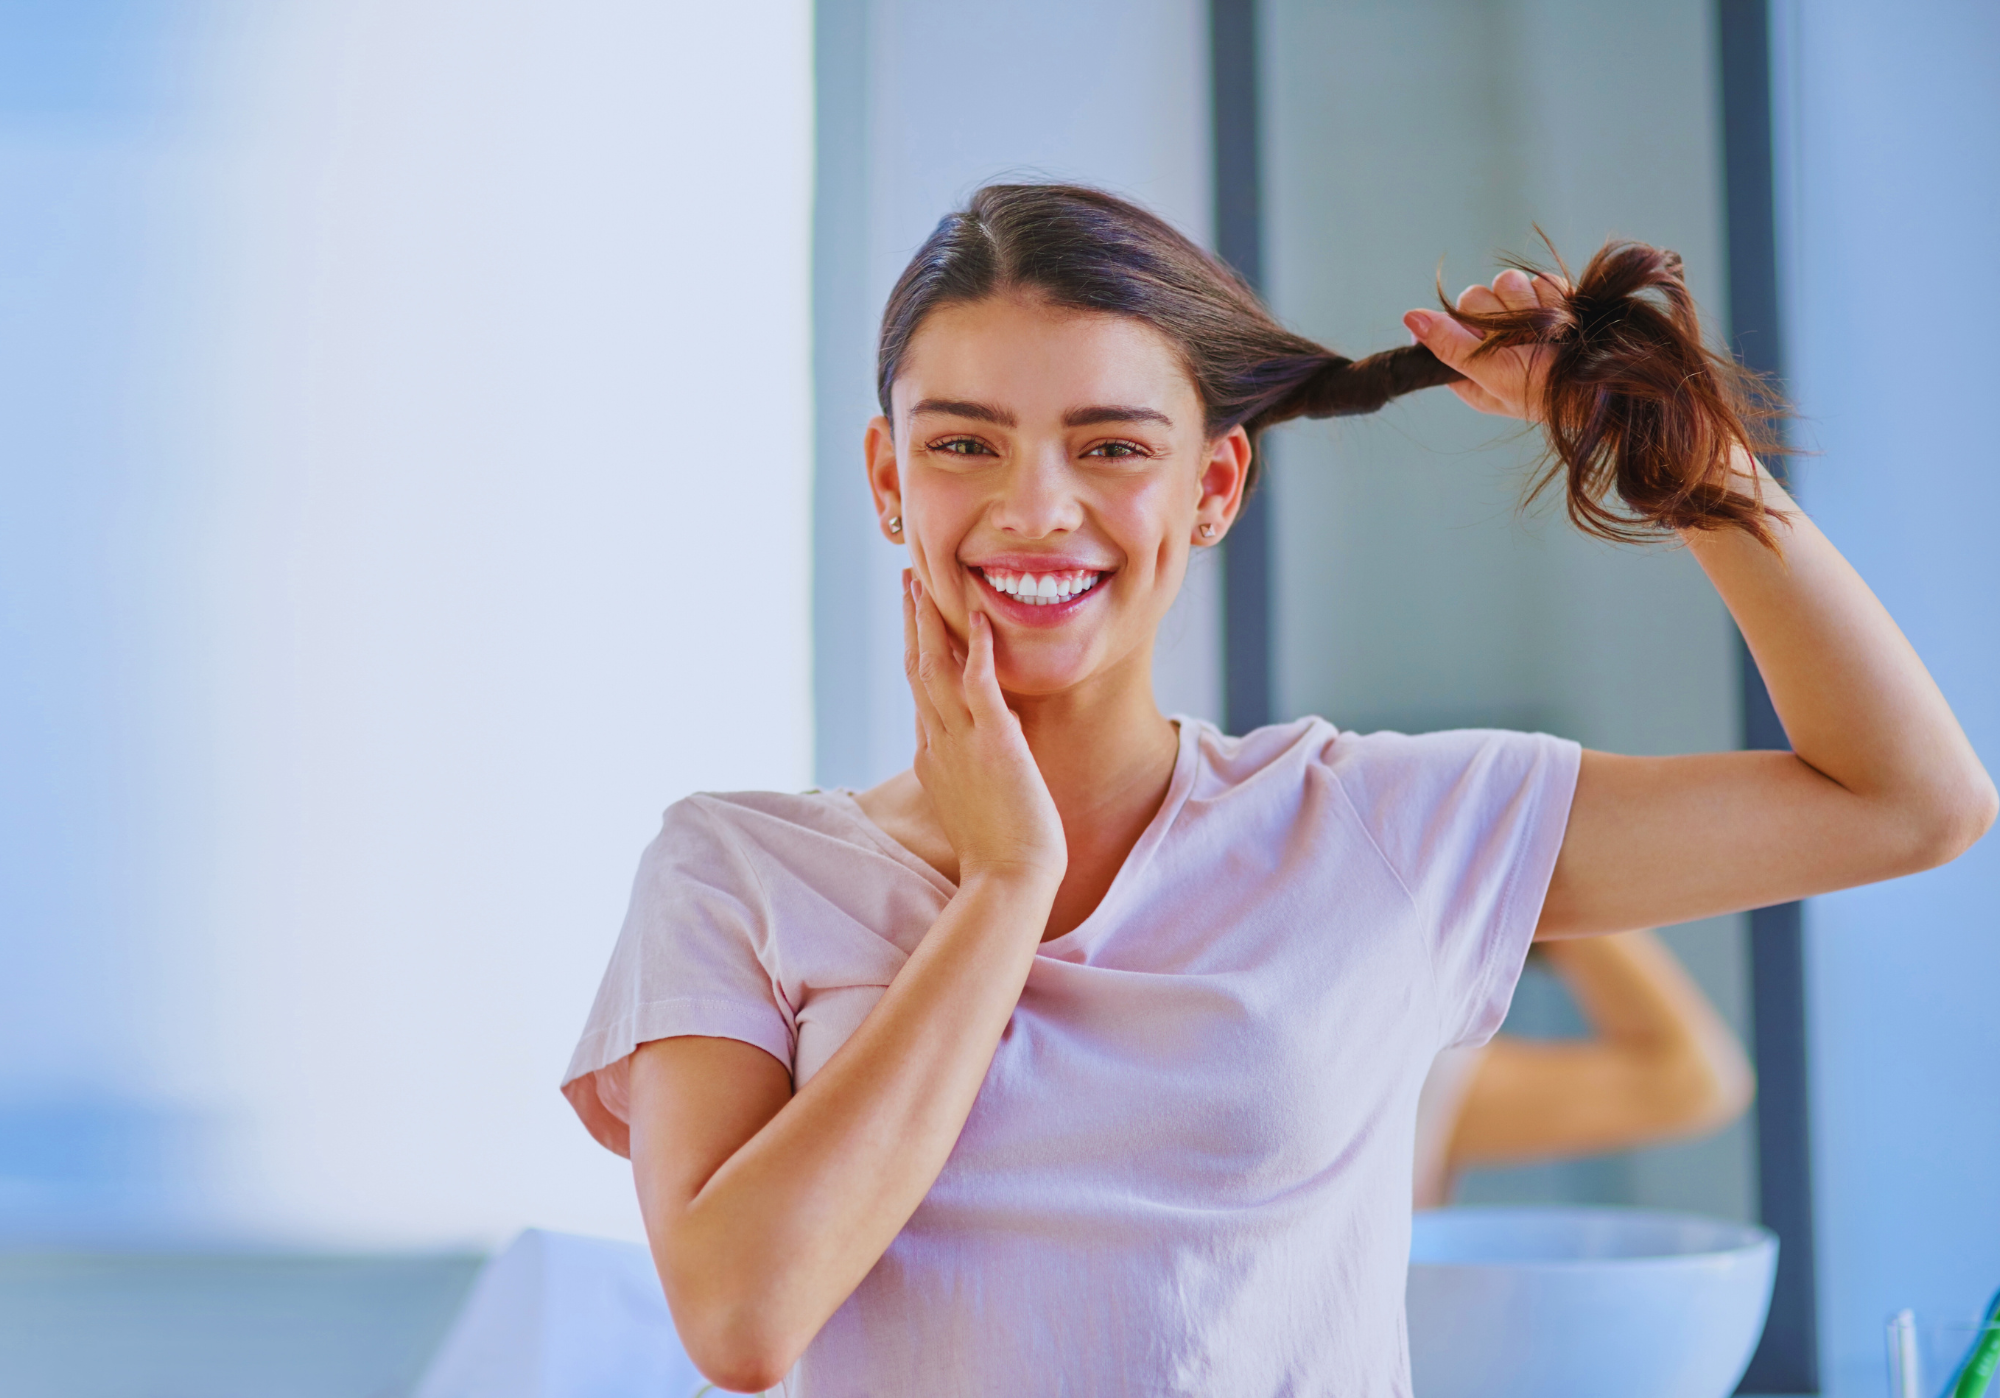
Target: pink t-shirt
<point>1188,1171</point>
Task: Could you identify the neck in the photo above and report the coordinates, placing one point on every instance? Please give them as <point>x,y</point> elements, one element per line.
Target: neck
<point>1104,748</point>
<point>1107,755</point>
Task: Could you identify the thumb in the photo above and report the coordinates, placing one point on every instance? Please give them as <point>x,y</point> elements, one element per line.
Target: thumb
<point>1443,337</point>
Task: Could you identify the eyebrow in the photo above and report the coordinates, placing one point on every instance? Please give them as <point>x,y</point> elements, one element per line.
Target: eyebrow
<point>1093,416</point>
<point>958,407</point>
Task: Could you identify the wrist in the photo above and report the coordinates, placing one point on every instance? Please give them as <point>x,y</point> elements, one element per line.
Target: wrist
<point>1748,479</point>
<point>1746,471</point>
<point>1028,881</point>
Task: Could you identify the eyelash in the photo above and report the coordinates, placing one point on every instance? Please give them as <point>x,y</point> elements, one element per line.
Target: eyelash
<point>944,446</point>
<point>1129,450</point>
<point>1103,450</point>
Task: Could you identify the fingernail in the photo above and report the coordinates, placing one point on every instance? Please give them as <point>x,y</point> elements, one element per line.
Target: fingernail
<point>1418,323</point>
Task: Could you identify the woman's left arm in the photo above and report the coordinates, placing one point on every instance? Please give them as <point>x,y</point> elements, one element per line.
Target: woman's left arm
<point>1880,781</point>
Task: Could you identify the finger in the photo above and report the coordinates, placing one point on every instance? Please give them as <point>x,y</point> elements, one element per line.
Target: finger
<point>1549,292</point>
<point>935,669</point>
<point>982,677</point>
<point>1515,290</point>
<point>928,723</point>
<point>1480,398</point>
<point>1443,337</point>
<point>1480,301</point>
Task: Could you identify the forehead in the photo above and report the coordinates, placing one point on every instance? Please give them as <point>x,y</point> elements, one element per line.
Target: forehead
<point>1021,353</point>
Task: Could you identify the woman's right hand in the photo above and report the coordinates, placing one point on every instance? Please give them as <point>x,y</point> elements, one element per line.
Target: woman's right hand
<point>767,1207</point>
<point>972,758</point>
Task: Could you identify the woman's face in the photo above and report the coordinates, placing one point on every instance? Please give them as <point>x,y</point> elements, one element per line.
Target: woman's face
<point>1051,470</point>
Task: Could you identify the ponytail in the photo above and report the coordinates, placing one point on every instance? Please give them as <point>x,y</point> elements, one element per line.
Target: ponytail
<point>1634,404</point>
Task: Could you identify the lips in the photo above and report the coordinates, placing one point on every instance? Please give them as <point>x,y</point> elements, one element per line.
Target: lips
<point>1044,596</point>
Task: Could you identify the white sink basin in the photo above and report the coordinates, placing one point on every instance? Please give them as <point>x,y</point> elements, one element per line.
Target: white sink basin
<point>1584,1302</point>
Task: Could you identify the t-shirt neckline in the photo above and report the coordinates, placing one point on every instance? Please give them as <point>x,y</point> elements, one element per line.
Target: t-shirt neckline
<point>1186,755</point>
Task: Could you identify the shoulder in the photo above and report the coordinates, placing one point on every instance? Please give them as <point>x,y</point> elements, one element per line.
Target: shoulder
<point>739,814</point>
<point>1399,767</point>
<point>766,845</point>
<point>721,829</point>
<point>1463,798</point>
<point>724,864</point>
<point>1417,796</point>
<point>1384,762</point>
<point>1274,755</point>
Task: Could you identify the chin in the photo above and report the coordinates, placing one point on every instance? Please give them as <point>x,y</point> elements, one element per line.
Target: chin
<point>1034,667</point>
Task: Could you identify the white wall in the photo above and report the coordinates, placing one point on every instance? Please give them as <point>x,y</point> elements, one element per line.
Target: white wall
<point>921,102</point>
<point>479,356</point>
<point>1409,591</point>
<point>1890,184</point>
<point>82,482</point>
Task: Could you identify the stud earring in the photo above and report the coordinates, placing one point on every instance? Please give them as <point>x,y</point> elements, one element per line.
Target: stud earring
<point>895,524</point>
<point>1208,531</point>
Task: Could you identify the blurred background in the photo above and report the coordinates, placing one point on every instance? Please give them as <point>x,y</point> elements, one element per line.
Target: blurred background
<point>431,445</point>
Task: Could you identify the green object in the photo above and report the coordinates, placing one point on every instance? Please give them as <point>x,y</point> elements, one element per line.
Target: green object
<point>1975,1375</point>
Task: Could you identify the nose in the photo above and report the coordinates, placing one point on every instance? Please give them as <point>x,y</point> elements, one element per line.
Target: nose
<point>1038,495</point>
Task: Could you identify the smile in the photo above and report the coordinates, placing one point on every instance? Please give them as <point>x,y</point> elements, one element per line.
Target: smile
<point>1040,589</point>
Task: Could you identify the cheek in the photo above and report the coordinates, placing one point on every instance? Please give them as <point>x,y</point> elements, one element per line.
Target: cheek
<point>1152,521</point>
<point>937,514</point>
<point>941,498</point>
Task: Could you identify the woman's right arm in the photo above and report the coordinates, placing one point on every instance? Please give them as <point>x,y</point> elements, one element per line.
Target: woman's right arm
<point>765,1209</point>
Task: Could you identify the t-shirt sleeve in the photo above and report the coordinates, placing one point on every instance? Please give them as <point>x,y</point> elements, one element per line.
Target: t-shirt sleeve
<point>687,962</point>
<point>1471,822</point>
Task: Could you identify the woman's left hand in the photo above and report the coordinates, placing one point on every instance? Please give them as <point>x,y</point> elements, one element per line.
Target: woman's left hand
<point>1508,382</point>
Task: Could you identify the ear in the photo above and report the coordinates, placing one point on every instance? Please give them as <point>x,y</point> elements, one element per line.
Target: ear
<point>1223,476</point>
<point>885,479</point>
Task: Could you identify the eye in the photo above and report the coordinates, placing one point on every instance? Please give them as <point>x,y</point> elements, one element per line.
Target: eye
<point>960,446</point>
<point>1117,450</point>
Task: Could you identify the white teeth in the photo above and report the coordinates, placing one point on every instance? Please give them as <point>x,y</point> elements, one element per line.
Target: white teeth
<point>1044,589</point>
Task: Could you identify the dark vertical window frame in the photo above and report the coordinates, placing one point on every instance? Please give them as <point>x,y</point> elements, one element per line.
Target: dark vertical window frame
<point>1239,238</point>
<point>1787,1359</point>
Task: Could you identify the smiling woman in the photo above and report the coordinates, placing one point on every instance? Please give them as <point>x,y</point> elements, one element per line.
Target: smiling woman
<point>1085,1055</point>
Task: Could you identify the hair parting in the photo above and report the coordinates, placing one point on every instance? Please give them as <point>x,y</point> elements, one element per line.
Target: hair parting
<point>1634,403</point>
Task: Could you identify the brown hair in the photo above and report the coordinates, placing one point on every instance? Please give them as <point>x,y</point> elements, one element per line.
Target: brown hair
<point>1635,401</point>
